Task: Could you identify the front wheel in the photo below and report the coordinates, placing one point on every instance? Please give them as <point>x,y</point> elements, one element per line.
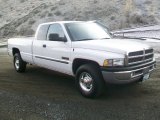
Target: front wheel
<point>89,81</point>
<point>19,64</point>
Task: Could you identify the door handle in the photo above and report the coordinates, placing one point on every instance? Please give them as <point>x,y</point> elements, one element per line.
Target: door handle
<point>44,45</point>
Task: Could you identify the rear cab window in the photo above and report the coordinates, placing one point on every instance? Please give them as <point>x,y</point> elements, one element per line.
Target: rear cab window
<point>42,32</point>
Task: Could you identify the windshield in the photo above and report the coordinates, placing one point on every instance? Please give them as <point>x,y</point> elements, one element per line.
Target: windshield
<point>86,31</point>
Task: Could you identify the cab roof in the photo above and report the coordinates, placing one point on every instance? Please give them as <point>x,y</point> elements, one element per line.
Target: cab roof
<point>63,22</point>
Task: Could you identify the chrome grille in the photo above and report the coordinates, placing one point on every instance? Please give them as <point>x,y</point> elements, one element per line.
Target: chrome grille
<point>149,51</point>
<point>135,53</point>
<point>138,57</point>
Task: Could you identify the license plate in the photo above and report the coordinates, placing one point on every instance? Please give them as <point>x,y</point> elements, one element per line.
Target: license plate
<point>146,76</point>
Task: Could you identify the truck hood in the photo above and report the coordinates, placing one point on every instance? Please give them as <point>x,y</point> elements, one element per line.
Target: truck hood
<point>122,46</point>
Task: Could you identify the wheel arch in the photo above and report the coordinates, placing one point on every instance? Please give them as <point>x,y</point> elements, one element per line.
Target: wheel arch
<point>15,50</point>
<point>79,61</point>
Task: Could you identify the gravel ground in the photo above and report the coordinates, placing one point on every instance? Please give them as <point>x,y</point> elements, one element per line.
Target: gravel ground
<point>41,94</point>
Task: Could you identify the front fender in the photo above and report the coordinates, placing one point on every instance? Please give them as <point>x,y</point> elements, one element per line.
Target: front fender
<point>95,55</point>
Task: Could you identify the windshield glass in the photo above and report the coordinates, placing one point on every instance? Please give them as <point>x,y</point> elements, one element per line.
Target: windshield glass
<point>86,31</point>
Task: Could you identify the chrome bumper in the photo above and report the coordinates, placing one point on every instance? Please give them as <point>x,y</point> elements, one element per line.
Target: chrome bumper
<point>127,74</point>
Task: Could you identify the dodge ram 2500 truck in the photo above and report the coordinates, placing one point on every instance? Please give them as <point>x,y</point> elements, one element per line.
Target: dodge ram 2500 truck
<point>86,50</point>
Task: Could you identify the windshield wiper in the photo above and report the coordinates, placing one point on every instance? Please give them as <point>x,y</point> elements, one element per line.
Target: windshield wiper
<point>91,39</point>
<point>85,39</point>
<point>103,38</point>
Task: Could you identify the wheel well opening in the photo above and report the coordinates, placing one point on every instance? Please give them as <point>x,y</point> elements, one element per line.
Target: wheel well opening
<point>78,62</point>
<point>15,50</point>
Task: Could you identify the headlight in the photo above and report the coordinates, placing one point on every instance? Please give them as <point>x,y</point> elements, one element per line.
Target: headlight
<point>113,62</point>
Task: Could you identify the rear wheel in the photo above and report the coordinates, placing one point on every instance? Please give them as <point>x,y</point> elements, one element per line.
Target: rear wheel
<point>89,81</point>
<point>19,64</point>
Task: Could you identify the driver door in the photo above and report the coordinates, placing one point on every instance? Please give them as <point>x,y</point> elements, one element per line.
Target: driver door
<point>55,51</point>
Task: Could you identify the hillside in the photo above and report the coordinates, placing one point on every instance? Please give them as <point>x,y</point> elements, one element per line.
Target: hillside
<point>21,17</point>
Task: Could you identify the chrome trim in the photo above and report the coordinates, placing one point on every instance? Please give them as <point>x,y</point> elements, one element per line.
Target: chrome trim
<point>135,56</point>
<point>140,61</point>
<point>149,54</point>
<point>142,69</point>
<point>141,57</point>
<point>137,69</point>
<point>126,60</point>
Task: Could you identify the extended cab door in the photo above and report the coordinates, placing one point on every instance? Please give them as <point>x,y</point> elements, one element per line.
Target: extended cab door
<point>54,50</point>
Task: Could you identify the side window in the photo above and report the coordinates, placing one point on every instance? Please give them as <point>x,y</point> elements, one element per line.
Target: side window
<point>42,33</point>
<point>56,33</point>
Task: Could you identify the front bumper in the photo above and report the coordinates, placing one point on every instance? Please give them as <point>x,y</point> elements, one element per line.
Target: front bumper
<point>124,75</point>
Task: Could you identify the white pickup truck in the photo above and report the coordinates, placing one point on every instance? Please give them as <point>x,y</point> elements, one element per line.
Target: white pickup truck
<point>86,50</point>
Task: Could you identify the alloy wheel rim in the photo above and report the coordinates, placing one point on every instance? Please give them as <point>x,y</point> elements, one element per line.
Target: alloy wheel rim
<point>86,82</point>
<point>17,63</point>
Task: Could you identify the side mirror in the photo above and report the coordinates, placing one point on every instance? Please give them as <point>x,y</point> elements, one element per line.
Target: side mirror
<point>55,37</point>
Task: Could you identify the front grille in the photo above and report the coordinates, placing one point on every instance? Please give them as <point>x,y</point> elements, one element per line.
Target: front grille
<point>149,56</point>
<point>132,60</point>
<point>138,57</point>
<point>149,51</point>
<point>135,53</point>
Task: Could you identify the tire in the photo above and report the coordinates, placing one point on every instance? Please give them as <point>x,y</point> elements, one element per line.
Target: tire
<point>89,81</point>
<point>19,64</point>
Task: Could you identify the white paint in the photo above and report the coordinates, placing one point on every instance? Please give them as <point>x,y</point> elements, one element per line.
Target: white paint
<point>95,50</point>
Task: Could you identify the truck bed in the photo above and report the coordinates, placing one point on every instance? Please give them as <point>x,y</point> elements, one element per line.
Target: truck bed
<point>24,45</point>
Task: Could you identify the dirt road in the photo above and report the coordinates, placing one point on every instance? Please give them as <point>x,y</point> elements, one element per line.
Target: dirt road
<point>41,94</point>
